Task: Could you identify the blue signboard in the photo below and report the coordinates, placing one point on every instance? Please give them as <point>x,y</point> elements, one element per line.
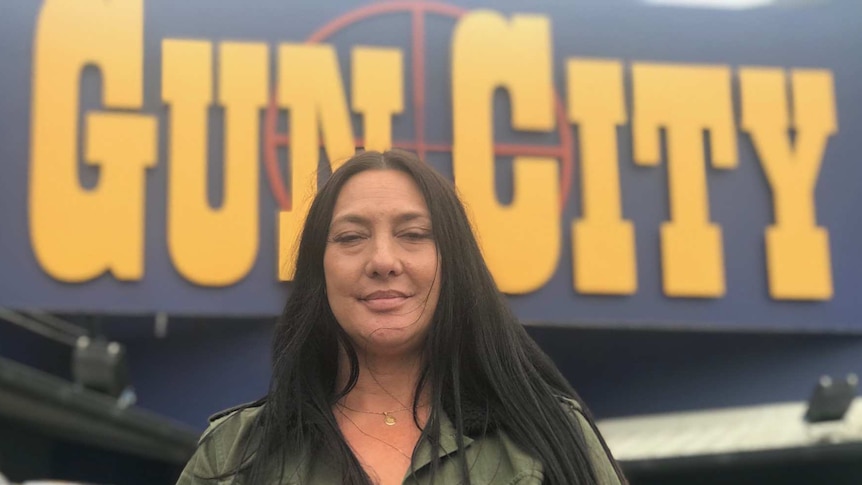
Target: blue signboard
<point>625,162</point>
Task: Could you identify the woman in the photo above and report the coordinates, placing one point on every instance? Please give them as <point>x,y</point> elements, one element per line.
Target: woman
<point>396,360</point>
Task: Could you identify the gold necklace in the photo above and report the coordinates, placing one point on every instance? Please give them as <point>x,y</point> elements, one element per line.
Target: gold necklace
<point>374,437</point>
<point>388,417</point>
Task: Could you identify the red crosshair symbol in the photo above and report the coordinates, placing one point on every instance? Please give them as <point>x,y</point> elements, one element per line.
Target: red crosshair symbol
<point>273,139</point>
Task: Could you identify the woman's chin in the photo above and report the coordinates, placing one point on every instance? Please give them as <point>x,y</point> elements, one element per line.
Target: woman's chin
<point>392,340</point>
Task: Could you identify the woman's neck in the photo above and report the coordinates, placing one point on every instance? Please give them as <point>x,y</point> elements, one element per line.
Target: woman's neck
<point>385,383</point>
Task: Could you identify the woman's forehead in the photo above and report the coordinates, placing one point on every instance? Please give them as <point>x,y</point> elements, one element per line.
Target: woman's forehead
<point>379,193</point>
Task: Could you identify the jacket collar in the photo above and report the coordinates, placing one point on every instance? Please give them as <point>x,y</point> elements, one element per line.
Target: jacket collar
<point>477,418</point>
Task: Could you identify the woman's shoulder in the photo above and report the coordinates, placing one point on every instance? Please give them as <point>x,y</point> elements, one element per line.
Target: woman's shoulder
<point>241,411</point>
<point>222,445</point>
<point>600,455</point>
<point>233,422</point>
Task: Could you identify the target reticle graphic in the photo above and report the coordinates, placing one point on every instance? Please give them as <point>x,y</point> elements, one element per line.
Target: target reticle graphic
<point>418,10</point>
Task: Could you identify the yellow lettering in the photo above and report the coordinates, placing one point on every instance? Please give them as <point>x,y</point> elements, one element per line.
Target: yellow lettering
<point>685,101</point>
<point>213,247</point>
<point>378,93</point>
<point>310,87</point>
<point>797,250</point>
<point>79,234</point>
<point>604,243</point>
<point>521,241</point>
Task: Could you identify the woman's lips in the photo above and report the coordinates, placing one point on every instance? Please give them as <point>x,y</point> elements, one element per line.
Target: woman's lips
<point>382,301</point>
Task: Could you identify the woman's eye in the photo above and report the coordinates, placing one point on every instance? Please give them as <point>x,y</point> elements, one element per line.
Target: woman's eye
<point>417,236</point>
<point>347,238</point>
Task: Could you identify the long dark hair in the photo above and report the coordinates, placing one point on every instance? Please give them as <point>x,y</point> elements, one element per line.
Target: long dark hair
<point>476,354</point>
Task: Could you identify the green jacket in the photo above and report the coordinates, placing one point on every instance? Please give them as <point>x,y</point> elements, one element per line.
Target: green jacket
<point>494,458</point>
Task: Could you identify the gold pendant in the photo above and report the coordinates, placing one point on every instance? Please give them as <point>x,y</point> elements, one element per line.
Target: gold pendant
<point>389,419</point>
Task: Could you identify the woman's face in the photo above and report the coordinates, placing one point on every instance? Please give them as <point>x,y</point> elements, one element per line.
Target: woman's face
<point>381,264</point>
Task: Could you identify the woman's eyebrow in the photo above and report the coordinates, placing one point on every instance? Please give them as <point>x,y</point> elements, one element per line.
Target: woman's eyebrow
<point>350,218</point>
<point>364,221</point>
<point>411,216</point>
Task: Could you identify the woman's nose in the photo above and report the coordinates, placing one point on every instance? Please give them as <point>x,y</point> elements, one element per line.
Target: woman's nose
<point>384,260</point>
